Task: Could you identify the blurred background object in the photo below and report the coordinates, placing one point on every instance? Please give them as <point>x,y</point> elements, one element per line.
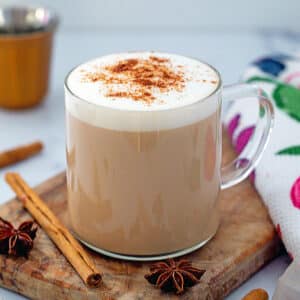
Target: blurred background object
<point>176,14</point>
<point>25,52</point>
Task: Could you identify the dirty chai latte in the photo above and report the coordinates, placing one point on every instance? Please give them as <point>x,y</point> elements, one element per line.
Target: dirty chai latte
<point>143,166</point>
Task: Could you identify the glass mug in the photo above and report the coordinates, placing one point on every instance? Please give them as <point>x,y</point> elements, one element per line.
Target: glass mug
<point>145,192</point>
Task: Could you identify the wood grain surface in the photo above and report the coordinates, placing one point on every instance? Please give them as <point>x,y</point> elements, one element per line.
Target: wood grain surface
<point>245,241</point>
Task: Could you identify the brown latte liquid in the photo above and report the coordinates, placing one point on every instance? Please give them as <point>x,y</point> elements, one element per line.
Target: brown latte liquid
<point>143,193</point>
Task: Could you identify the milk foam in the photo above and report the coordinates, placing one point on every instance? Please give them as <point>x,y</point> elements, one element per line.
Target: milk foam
<point>96,108</point>
<point>201,81</point>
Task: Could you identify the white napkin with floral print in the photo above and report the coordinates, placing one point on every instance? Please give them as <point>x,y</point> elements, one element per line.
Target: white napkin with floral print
<point>277,176</point>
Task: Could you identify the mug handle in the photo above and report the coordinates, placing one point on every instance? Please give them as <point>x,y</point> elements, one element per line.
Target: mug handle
<point>243,165</point>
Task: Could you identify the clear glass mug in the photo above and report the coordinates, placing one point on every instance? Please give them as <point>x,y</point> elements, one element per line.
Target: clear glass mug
<point>148,191</point>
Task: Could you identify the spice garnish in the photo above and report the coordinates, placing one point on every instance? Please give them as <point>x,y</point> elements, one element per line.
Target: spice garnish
<point>138,78</point>
<point>60,235</point>
<point>19,153</point>
<point>172,276</point>
<point>16,242</point>
<point>257,294</point>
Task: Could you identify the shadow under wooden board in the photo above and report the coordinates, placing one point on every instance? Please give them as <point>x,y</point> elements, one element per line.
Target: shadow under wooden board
<point>245,241</point>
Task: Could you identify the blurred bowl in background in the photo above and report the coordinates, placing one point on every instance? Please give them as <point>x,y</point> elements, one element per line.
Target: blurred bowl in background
<point>26,35</point>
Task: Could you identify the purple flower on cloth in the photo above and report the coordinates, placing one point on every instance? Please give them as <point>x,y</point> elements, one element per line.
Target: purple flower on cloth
<point>233,124</point>
<point>242,162</point>
<point>252,177</point>
<point>243,138</point>
<point>241,141</point>
<point>295,193</point>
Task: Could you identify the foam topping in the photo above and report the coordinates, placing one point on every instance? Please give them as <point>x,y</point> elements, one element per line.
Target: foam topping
<point>143,81</point>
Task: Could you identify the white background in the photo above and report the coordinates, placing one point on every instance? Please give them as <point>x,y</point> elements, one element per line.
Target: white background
<point>226,33</point>
<point>176,14</point>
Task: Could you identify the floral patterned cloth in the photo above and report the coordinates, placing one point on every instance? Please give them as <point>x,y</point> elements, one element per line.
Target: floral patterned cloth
<point>277,177</point>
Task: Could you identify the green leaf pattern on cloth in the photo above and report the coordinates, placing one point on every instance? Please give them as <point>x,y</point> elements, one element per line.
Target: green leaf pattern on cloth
<point>262,79</point>
<point>277,177</point>
<point>293,150</point>
<point>286,97</point>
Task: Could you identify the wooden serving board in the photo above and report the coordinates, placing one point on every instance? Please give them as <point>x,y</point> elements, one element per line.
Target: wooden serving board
<point>245,241</point>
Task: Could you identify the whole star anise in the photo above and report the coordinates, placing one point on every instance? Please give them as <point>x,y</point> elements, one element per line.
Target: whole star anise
<point>16,242</point>
<point>174,276</point>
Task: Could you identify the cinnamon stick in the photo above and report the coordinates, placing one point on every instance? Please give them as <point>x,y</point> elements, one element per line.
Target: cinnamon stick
<point>257,294</point>
<point>59,234</point>
<point>17,154</point>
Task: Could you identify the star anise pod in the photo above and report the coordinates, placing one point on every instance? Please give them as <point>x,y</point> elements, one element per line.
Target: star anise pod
<point>174,276</point>
<point>16,242</point>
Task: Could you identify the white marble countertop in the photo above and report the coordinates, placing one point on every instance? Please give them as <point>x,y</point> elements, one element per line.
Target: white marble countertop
<point>228,51</point>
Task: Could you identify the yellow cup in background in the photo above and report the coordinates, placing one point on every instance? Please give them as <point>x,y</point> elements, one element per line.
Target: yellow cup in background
<point>26,35</point>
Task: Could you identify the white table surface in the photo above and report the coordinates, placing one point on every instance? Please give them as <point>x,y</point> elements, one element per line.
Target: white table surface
<point>228,51</point>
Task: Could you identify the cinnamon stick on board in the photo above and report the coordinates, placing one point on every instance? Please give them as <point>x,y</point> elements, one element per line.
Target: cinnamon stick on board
<point>59,234</point>
<point>17,154</point>
<point>257,294</point>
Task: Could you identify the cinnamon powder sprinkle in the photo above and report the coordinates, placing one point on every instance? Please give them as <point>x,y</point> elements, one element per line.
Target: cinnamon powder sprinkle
<point>137,79</point>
